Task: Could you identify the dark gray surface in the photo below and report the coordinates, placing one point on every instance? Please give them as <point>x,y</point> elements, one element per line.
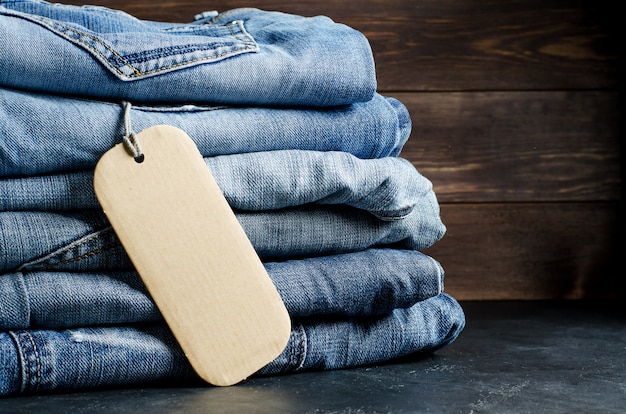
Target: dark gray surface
<point>513,357</point>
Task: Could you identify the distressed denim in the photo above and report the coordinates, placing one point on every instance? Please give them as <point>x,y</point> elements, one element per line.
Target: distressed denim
<point>389,188</point>
<point>45,133</point>
<point>242,56</point>
<point>35,361</point>
<point>370,282</point>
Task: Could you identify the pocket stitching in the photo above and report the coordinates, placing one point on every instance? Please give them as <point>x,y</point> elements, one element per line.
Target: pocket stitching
<point>248,45</point>
<point>65,29</point>
<point>45,262</point>
<point>138,73</point>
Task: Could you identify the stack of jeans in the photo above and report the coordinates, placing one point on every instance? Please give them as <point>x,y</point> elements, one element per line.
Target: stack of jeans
<point>285,111</point>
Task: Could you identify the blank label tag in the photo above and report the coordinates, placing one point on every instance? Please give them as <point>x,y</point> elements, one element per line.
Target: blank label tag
<point>193,256</point>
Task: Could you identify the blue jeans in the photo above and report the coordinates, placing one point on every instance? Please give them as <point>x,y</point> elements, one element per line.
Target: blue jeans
<point>389,188</point>
<point>69,287</point>
<point>32,239</point>
<point>293,195</point>
<point>35,361</point>
<point>242,56</point>
<point>313,175</point>
<point>370,282</point>
<point>44,134</point>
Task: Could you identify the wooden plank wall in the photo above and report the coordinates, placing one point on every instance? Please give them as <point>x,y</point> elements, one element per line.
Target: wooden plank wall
<point>516,106</point>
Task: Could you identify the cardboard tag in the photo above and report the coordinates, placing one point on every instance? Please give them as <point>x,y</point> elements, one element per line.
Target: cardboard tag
<point>193,256</point>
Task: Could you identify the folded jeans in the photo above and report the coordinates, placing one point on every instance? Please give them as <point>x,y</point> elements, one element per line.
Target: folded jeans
<point>83,240</point>
<point>46,133</point>
<point>389,187</point>
<point>314,180</point>
<point>241,56</point>
<point>369,282</point>
<point>35,361</point>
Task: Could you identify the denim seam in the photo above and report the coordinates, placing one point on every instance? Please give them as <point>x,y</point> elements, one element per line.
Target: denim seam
<point>138,73</point>
<point>26,266</point>
<point>82,256</point>
<point>26,371</point>
<point>37,359</point>
<point>26,310</point>
<point>292,353</point>
<point>238,36</point>
<point>61,28</point>
<point>248,45</point>
<point>302,349</point>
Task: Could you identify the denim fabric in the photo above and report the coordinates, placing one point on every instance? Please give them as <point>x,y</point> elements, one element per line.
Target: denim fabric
<point>242,56</point>
<point>370,282</point>
<point>43,360</point>
<point>284,110</point>
<point>389,188</point>
<point>83,240</point>
<point>47,133</point>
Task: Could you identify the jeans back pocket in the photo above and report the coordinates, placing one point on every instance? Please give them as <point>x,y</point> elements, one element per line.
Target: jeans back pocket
<point>134,49</point>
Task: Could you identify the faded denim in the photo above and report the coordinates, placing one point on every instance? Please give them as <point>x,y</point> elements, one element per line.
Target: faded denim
<point>36,361</point>
<point>242,56</point>
<point>370,282</point>
<point>284,110</point>
<point>389,188</point>
<point>45,133</point>
<point>30,238</point>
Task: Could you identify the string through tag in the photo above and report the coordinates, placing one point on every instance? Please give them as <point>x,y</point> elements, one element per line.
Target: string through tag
<point>130,138</point>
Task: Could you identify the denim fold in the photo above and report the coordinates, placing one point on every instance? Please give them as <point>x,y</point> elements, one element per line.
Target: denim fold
<point>369,282</point>
<point>83,240</point>
<point>45,134</point>
<point>240,56</point>
<point>389,187</point>
<point>37,361</point>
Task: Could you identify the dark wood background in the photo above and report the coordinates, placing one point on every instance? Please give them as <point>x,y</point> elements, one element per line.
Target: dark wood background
<point>516,106</point>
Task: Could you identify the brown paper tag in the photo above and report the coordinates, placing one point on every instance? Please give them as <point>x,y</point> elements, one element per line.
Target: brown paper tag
<point>193,256</point>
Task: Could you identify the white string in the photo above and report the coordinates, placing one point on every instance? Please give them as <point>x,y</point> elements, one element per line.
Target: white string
<point>130,138</point>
